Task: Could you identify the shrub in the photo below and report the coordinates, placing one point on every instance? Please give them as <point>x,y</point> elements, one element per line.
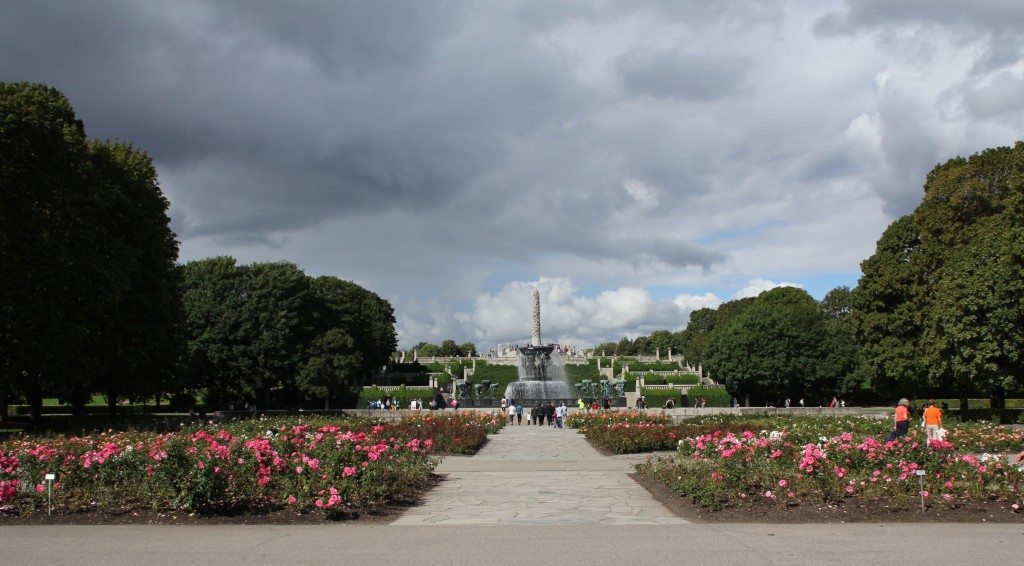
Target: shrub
<point>656,398</point>
<point>498,374</point>
<point>579,372</point>
<point>635,366</point>
<point>335,467</point>
<point>402,394</point>
<point>713,396</point>
<point>772,468</point>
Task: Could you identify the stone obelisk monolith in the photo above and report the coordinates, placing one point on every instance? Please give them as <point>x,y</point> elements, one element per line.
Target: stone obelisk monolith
<point>535,341</point>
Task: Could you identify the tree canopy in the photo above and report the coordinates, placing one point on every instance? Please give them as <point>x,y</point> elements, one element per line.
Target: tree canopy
<point>773,348</point>
<point>88,291</point>
<point>939,303</point>
<point>268,333</point>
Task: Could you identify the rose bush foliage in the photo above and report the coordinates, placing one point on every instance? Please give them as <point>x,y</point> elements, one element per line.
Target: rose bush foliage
<point>313,464</point>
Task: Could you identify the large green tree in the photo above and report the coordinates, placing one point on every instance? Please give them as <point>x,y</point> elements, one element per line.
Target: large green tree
<point>973,338</point>
<point>266,332</point>
<point>43,190</point>
<point>840,369</point>
<point>773,348</point>
<point>932,307</point>
<point>889,307</point>
<point>87,298</point>
<point>702,325</point>
<point>138,340</point>
<point>248,328</point>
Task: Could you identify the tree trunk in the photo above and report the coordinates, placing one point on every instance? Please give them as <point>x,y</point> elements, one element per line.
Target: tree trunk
<point>78,401</point>
<point>35,406</point>
<point>997,398</point>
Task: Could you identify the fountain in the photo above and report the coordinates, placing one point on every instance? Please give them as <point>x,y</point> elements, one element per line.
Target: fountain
<point>541,371</point>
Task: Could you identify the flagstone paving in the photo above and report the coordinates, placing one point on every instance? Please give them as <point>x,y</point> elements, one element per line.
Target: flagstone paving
<point>537,475</point>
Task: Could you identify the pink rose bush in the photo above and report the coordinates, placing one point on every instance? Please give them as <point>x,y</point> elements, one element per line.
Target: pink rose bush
<point>726,469</point>
<point>626,432</point>
<point>607,430</point>
<point>333,467</point>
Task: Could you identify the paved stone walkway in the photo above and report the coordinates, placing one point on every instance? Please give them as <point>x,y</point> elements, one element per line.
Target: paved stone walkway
<point>537,475</point>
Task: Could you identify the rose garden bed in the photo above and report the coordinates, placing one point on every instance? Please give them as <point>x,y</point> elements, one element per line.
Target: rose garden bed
<point>283,469</point>
<point>794,469</point>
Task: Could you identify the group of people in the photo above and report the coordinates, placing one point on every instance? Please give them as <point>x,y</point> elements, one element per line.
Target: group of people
<point>385,404</point>
<point>546,412</point>
<point>394,404</point>
<point>931,420</point>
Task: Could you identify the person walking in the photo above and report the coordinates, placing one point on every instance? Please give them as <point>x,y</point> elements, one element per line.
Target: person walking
<point>519,414</point>
<point>511,413</point>
<point>932,421</point>
<point>535,414</point>
<point>560,412</point>
<point>902,418</point>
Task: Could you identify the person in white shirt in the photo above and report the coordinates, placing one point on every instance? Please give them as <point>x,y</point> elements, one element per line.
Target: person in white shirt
<point>560,413</point>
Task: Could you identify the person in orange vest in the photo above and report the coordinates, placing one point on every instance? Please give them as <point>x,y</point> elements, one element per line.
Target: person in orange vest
<point>902,420</point>
<point>932,421</point>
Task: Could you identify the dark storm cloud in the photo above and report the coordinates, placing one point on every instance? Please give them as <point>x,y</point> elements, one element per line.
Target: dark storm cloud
<point>282,115</point>
<point>439,151</point>
<point>694,76</point>
<point>347,37</point>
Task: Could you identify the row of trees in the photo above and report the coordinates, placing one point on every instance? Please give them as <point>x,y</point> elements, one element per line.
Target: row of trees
<point>780,344</point>
<point>447,348</point>
<point>270,334</point>
<point>658,342</point>
<point>92,301</point>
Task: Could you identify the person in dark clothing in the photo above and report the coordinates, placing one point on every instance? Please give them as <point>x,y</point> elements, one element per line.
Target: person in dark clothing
<point>535,414</point>
<point>549,412</point>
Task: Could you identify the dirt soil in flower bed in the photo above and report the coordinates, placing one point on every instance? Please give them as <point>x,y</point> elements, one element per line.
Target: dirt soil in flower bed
<point>873,512</point>
<point>268,516</point>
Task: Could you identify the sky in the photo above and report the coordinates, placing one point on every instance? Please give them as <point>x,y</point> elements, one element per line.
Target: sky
<point>633,160</point>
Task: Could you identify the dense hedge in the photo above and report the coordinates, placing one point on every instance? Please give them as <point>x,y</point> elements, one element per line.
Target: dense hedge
<point>656,397</point>
<point>455,366</point>
<point>630,383</point>
<point>579,372</point>
<point>655,366</point>
<point>403,395</point>
<point>954,404</point>
<point>655,379</point>
<point>714,396</point>
<point>1003,416</point>
<point>23,410</point>
<point>502,375</point>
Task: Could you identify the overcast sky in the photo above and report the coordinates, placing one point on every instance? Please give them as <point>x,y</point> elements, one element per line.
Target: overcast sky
<point>635,160</point>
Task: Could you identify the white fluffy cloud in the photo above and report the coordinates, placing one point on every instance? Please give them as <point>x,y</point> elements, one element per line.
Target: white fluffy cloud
<point>757,286</point>
<point>567,316</point>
